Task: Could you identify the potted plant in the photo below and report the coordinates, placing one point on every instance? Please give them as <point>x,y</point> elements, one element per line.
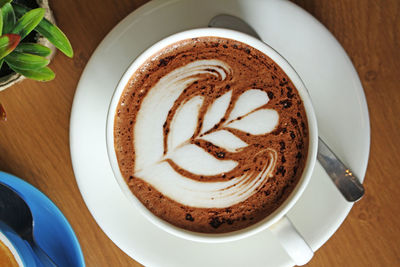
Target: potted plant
<point>27,41</point>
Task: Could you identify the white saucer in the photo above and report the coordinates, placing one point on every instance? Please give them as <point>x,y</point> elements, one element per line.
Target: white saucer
<point>335,89</point>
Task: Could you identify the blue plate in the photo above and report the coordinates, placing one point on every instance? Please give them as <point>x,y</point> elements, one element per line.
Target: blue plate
<point>52,231</point>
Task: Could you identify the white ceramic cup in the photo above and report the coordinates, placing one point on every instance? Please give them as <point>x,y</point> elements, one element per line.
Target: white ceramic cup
<point>277,222</point>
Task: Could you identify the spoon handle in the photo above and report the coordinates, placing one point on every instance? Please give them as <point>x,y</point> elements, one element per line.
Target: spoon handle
<point>233,23</point>
<point>344,179</point>
<point>42,255</point>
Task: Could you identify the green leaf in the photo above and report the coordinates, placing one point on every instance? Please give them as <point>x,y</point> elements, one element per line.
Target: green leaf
<point>28,22</point>
<point>1,23</point>
<point>56,37</point>
<point>26,61</point>
<point>43,74</point>
<point>8,42</point>
<point>32,48</point>
<point>1,62</point>
<point>3,2</point>
<point>49,31</point>
<point>8,14</point>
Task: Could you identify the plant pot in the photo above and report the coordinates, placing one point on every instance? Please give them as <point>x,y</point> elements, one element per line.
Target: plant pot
<point>13,78</point>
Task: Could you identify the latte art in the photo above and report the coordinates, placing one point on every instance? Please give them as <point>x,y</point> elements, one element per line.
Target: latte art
<point>211,135</point>
<point>175,161</point>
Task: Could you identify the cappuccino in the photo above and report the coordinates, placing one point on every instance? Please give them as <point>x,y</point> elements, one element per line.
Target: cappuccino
<point>211,135</point>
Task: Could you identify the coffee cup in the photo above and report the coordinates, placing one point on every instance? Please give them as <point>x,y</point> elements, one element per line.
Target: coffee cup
<point>221,158</point>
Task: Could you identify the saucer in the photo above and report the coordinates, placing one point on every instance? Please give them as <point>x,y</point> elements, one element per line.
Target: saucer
<point>319,59</point>
<point>52,231</point>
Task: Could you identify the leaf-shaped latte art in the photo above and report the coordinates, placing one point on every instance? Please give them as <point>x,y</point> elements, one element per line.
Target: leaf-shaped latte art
<point>261,121</point>
<point>225,139</point>
<point>180,141</point>
<point>195,160</point>
<point>248,102</point>
<point>216,112</point>
<point>156,105</point>
<point>184,122</point>
<point>199,194</point>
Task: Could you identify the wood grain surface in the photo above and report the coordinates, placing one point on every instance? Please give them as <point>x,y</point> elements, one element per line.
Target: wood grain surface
<point>34,141</point>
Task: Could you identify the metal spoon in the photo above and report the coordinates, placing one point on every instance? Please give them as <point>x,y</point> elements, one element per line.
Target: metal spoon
<point>342,176</point>
<point>17,215</point>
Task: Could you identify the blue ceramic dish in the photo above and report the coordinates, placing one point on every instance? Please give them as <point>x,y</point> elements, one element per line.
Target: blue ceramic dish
<point>52,231</point>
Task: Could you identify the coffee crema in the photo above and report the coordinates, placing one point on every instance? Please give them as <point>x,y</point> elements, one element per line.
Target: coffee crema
<point>211,135</point>
<point>7,259</point>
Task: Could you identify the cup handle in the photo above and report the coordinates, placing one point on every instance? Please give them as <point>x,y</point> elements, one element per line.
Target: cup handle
<point>292,241</point>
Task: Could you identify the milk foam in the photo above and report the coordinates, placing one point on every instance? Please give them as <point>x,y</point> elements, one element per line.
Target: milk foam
<point>153,164</point>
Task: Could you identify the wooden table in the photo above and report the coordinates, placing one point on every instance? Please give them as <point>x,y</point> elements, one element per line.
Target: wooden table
<point>34,141</point>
